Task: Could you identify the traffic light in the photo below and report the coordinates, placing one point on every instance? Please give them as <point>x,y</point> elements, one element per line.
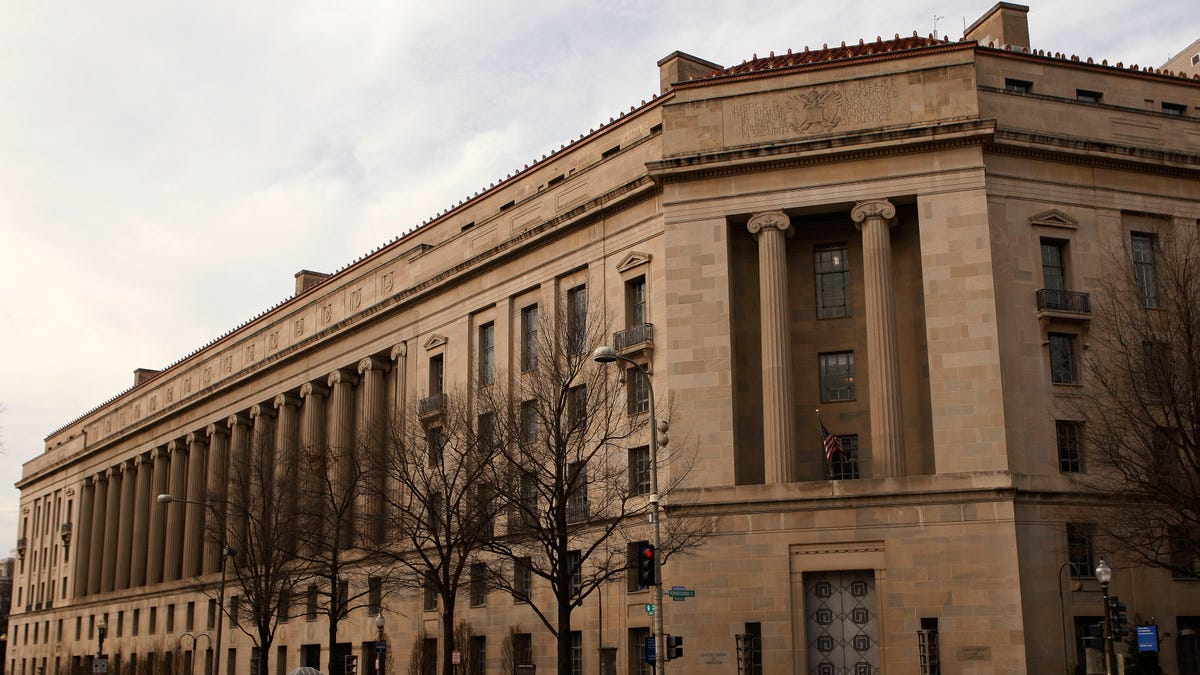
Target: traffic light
<point>645,565</point>
<point>352,665</point>
<point>674,646</point>
<point>1120,621</point>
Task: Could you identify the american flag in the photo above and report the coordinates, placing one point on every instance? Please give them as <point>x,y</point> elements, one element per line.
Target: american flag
<point>833,444</point>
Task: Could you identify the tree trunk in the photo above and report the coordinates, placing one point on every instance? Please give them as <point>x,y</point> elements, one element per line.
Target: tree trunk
<point>564,638</point>
<point>448,636</point>
<point>334,667</point>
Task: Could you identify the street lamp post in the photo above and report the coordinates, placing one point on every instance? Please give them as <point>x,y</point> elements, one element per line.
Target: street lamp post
<point>1104,576</point>
<point>101,632</point>
<point>226,553</point>
<point>380,644</point>
<point>604,355</point>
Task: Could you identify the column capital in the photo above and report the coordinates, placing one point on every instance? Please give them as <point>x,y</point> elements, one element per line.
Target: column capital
<point>400,351</point>
<point>154,453</point>
<point>193,438</point>
<point>140,460</point>
<point>237,419</point>
<point>175,446</point>
<point>372,363</point>
<point>283,400</point>
<point>876,208</point>
<point>310,388</point>
<point>110,472</point>
<point>215,429</point>
<point>341,376</point>
<point>777,220</point>
<point>261,410</point>
<point>124,465</point>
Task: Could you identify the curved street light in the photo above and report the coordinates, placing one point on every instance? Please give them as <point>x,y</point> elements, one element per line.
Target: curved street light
<point>604,355</point>
<point>1104,576</point>
<point>226,553</point>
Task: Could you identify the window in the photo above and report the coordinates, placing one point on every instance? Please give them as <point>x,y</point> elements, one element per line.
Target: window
<point>235,606</point>
<point>575,566</point>
<point>1070,447</point>
<point>478,655</point>
<point>753,647</point>
<point>1079,551</point>
<point>429,654</point>
<point>577,407</point>
<point>522,579</point>
<point>283,610</point>
<point>635,301</point>
<point>437,366</point>
<point>429,595</point>
<point>1156,368</point>
<point>1143,268</point>
<point>1184,561</point>
<point>837,376</point>
<point>529,338</point>
<point>436,440</point>
<point>577,320</point>
<point>529,422</point>
<point>478,584</point>
<point>152,628</point>
<point>483,508</point>
<point>523,649</point>
<point>928,648</point>
<point>486,431</point>
<point>1054,264</point>
<point>639,470</point>
<point>374,595</point>
<point>844,466</point>
<point>631,566</point>
<point>637,652</point>
<point>637,382</point>
<point>171,617</point>
<point>189,617</point>
<point>212,614</point>
<point>1017,86</point>
<point>832,271</point>
<point>310,603</point>
<point>435,513</point>
<point>1174,108</point>
<point>487,353</point>
<point>577,491</point>
<point>1062,359</point>
<point>576,652</point>
<point>1086,96</point>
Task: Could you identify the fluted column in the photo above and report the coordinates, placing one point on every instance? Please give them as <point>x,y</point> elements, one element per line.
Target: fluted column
<point>287,453</point>
<point>874,218</point>
<point>218,468</point>
<point>83,539</point>
<point>173,564</point>
<point>96,550</point>
<point>239,492</point>
<point>312,457</point>
<point>112,526</point>
<point>398,415</point>
<point>158,517</point>
<point>141,521</point>
<point>341,444</point>
<point>371,427</point>
<point>194,514</point>
<point>125,538</point>
<point>262,459</point>
<point>779,423</point>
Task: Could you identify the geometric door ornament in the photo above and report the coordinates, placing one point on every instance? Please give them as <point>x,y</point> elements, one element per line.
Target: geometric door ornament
<point>841,623</point>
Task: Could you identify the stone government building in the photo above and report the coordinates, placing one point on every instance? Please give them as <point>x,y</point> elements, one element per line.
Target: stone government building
<point>861,228</point>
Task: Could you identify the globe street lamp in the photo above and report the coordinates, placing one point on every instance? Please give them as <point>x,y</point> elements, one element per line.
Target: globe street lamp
<point>380,643</point>
<point>226,553</point>
<point>1104,576</point>
<point>604,355</point>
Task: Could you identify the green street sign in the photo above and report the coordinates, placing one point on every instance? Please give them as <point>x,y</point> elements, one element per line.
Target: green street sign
<point>650,609</point>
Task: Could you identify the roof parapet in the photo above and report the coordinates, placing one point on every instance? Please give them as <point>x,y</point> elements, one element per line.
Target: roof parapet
<point>680,66</point>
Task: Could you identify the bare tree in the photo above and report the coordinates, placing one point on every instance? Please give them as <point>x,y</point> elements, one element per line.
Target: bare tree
<point>572,501</point>
<point>1141,402</point>
<point>437,503</point>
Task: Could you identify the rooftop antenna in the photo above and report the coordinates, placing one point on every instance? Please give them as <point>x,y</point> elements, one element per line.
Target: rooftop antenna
<point>936,18</point>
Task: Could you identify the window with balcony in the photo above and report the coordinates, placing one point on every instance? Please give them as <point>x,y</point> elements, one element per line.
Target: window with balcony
<point>832,271</point>
<point>437,367</point>
<point>837,376</point>
<point>635,301</point>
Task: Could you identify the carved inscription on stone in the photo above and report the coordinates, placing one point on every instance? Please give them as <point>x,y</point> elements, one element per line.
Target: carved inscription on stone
<point>813,111</point>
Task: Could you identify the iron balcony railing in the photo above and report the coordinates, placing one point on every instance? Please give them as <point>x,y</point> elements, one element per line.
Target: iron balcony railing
<point>1064,301</point>
<point>431,405</point>
<point>578,511</point>
<point>634,335</point>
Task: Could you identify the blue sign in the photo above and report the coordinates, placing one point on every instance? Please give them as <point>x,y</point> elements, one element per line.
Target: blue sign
<point>650,651</point>
<point>1147,637</point>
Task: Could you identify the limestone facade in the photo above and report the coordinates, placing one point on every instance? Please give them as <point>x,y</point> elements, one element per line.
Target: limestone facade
<point>855,229</point>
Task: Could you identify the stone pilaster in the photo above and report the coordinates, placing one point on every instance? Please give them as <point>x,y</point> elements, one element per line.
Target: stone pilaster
<point>194,515</point>
<point>217,494</point>
<point>779,420</point>
<point>158,517</point>
<point>129,472</point>
<point>96,550</point>
<point>112,527</point>
<point>875,218</point>
<point>173,565</point>
<point>83,539</point>
<point>141,521</point>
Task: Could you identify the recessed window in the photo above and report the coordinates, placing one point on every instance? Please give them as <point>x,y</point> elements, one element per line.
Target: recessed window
<point>577,407</point>
<point>844,465</point>
<point>577,319</point>
<point>522,579</point>
<point>1017,86</point>
<point>1088,96</point>
<point>1063,368</point>
<point>487,353</point>
<point>637,384</point>
<point>478,584</point>
<point>1079,551</point>
<point>437,369</point>
<point>429,595</point>
<point>1143,268</point>
<point>1069,437</point>
<point>529,338</point>
<point>1054,264</point>
<point>837,376</point>
<point>635,301</point>
<point>1174,108</point>
<point>639,470</point>
<point>832,271</point>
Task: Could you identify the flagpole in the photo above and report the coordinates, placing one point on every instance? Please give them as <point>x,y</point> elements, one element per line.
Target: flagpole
<point>825,458</point>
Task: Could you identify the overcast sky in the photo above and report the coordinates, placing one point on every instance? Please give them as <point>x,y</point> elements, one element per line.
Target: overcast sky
<point>167,167</point>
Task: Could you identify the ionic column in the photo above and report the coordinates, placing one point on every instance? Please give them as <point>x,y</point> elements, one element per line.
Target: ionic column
<point>112,526</point>
<point>218,468</point>
<point>341,443</point>
<point>287,451</point>
<point>96,550</point>
<point>779,425</point>
<point>239,493</point>
<point>141,521</point>
<point>194,514</point>
<point>178,487</point>
<point>371,431</point>
<point>312,457</point>
<point>874,218</point>
<point>83,540</point>
<point>125,538</point>
<point>262,457</point>
<point>399,395</point>
<point>158,517</point>
<point>398,416</point>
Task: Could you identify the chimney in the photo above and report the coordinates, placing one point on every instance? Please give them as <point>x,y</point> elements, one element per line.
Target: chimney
<point>678,67</point>
<point>1004,24</point>
<point>306,279</point>
<point>144,375</point>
